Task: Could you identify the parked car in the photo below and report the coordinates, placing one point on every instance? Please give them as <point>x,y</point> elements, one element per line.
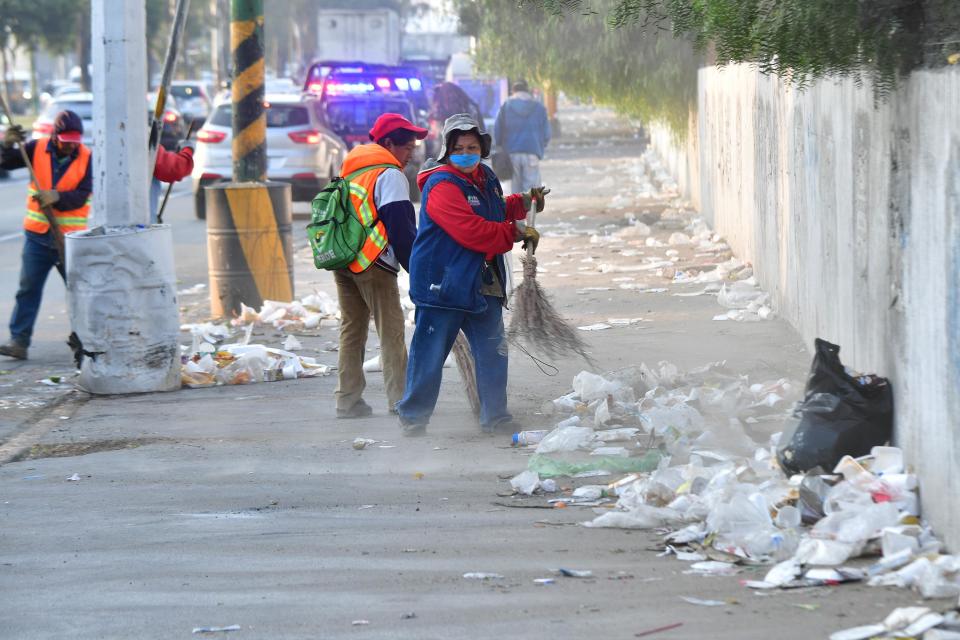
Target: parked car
<point>193,100</point>
<point>275,86</point>
<point>174,128</point>
<point>301,150</point>
<point>352,116</point>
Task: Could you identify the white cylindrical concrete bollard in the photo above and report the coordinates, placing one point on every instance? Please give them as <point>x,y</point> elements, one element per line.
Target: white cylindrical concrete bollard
<point>123,306</point>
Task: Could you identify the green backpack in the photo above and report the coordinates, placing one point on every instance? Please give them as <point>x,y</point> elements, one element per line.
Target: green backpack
<point>335,232</point>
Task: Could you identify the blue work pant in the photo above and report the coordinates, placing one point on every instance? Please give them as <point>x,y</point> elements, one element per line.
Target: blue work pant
<point>436,330</point>
<point>36,261</point>
<point>526,172</point>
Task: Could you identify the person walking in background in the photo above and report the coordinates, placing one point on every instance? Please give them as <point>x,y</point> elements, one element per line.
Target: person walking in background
<point>369,284</point>
<point>457,274</point>
<point>522,129</point>
<point>64,170</point>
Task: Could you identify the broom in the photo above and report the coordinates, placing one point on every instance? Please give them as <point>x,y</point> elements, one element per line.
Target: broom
<point>534,319</point>
<point>468,372</point>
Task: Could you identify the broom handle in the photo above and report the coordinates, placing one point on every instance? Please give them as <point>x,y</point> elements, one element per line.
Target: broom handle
<point>531,218</point>
<point>55,230</point>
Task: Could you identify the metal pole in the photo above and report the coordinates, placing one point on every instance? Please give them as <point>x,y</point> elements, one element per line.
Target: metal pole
<point>169,64</point>
<point>249,119</point>
<point>121,177</point>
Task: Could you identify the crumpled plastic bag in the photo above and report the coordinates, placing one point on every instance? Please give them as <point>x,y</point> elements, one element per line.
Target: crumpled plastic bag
<point>526,482</point>
<point>566,439</point>
<point>641,517</point>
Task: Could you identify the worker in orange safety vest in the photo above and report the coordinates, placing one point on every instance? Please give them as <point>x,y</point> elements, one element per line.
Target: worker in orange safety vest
<point>380,193</point>
<point>64,182</point>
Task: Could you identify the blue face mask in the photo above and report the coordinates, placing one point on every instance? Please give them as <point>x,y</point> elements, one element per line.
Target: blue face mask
<point>466,162</point>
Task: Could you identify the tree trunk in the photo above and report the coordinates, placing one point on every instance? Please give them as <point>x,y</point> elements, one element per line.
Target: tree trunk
<point>83,48</point>
<point>6,75</point>
<point>34,84</point>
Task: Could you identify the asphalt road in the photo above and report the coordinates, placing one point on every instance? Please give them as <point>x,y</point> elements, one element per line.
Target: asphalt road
<point>249,506</point>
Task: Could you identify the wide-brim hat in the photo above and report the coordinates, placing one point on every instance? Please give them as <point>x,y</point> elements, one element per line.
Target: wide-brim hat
<point>464,122</point>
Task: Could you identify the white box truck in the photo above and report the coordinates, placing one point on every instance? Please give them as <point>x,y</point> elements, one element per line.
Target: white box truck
<point>371,36</point>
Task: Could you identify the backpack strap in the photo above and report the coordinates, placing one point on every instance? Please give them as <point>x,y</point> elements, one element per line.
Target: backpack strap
<point>364,170</point>
<point>370,168</point>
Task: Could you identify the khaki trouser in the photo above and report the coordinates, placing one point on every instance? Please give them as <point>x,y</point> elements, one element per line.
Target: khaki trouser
<point>373,292</point>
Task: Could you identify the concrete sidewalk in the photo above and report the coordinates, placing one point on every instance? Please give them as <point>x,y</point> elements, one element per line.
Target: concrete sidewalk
<point>249,506</point>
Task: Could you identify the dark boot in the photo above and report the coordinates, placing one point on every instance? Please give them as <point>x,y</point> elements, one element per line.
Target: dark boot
<point>359,410</point>
<point>14,350</point>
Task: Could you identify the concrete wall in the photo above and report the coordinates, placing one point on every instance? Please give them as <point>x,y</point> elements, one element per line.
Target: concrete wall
<point>850,213</point>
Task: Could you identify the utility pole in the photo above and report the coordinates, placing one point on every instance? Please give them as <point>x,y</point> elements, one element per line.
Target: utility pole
<point>249,220</point>
<point>120,277</point>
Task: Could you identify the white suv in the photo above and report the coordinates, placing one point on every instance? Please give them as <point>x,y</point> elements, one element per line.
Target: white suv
<point>300,150</point>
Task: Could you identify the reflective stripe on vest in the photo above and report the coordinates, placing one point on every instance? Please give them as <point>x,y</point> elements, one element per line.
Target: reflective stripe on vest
<point>362,196</point>
<point>71,220</point>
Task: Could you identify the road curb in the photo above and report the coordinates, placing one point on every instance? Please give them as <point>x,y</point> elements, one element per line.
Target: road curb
<point>40,423</point>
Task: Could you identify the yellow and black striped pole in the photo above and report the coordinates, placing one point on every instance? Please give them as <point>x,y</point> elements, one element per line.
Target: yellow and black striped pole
<point>249,119</point>
<point>249,220</point>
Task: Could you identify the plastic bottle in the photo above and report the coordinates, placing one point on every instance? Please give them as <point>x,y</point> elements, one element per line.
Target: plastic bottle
<point>529,437</point>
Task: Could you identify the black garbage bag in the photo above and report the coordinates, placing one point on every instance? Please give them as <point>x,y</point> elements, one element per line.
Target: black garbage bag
<point>839,415</point>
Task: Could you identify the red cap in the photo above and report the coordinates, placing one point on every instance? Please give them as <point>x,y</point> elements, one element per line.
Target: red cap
<point>390,122</point>
<point>70,136</point>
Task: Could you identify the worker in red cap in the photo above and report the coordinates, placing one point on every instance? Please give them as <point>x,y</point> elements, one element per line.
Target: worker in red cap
<point>64,174</point>
<point>368,286</point>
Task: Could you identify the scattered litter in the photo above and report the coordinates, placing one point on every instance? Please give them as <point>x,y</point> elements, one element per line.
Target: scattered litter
<point>650,632</point>
<point>233,627</point>
<point>363,443</point>
<point>360,623</point>
<point>477,575</point>
<point>526,482</point>
<point>702,602</point>
<point>599,326</point>
<point>713,568</point>
<point>410,615</point>
<point>292,344</point>
<point>575,573</point>
<point>906,622</point>
<point>544,581</point>
<point>74,478</point>
<point>189,291</point>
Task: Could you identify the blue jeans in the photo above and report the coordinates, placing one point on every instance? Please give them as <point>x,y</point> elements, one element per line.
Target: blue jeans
<point>436,330</point>
<point>36,261</point>
<point>526,172</point>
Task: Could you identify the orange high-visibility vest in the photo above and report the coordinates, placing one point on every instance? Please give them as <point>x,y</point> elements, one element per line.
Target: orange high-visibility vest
<point>72,220</point>
<point>361,195</point>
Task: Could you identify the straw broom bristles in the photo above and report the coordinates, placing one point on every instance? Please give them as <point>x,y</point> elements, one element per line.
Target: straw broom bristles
<point>536,321</point>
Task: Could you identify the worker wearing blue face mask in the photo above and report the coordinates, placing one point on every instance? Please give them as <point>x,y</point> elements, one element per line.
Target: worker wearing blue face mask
<point>457,274</point>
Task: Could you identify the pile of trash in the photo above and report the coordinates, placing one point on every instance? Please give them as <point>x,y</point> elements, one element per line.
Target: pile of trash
<point>316,310</point>
<point>908,622</point>
<point>211,361</point>
<point>726,503</point>
<point>246,364</point>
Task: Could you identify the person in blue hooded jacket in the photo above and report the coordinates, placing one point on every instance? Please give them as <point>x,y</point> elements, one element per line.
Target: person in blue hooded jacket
<point>522,129</point>
<point>457,274</point>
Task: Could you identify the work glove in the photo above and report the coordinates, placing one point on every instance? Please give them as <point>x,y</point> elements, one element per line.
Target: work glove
<point>14,135</point>
<point>46,197</point>
<point>185,144</point>
<point>530,235</point>
<point>539,195</point>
